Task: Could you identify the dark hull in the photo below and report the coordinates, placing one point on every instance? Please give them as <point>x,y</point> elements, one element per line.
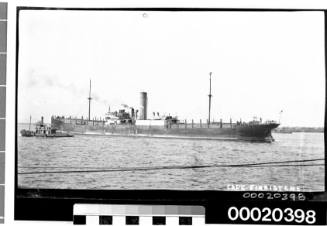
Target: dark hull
<point>54,135</point>
<point>259,132</point>
<point>253,133</point>
<point>29,133</point>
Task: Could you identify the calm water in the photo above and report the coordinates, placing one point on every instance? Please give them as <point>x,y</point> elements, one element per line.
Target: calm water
<point>142,159</point>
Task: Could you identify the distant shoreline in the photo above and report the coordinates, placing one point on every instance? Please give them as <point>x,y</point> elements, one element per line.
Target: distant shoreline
<point>299,130</point>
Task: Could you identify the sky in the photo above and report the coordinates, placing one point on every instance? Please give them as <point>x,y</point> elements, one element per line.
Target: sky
<point>262,63</point>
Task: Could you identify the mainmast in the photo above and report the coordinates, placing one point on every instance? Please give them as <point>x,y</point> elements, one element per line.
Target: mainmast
<point>29,126</point>
<point>90,98</point>
<point>209,99</point>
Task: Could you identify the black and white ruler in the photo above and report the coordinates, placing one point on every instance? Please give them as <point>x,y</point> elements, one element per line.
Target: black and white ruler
<point>100,214</point>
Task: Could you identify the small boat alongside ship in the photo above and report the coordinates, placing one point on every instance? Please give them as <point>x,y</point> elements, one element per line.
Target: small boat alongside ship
<point>134,122</point>
<point>42,130</point>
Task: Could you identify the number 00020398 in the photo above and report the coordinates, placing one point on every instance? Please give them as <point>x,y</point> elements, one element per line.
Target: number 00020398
<point>267,214</point>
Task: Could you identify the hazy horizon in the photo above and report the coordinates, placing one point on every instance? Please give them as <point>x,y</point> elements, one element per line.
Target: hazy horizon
<point>261,63</point>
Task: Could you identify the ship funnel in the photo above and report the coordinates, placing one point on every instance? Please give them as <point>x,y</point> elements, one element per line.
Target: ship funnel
<point>143,106</point>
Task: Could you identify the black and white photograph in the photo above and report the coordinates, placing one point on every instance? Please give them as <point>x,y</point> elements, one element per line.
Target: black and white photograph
<point>171,100</point>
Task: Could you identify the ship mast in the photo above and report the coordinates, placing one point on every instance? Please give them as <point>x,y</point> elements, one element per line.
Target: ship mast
<point>29,126</point>
<point>209,100</point>
<point>89,98</point>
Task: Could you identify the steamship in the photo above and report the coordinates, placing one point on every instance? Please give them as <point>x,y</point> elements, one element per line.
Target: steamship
<point>134,122</point>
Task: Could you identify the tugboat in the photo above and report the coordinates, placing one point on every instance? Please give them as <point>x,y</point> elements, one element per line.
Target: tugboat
<point>42,130</point>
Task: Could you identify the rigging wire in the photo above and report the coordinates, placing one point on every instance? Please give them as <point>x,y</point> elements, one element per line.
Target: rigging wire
<point>105,169</point>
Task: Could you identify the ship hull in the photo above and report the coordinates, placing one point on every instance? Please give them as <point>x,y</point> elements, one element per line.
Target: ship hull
<point>28,133</point>
<point>259,132</point>
<point>253,133</point>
